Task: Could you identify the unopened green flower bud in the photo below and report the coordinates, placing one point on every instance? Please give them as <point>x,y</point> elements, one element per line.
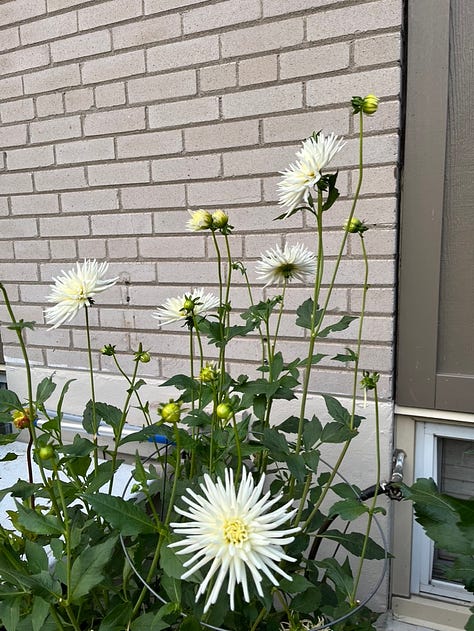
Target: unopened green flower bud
<point>142,356</point>
<point>46,452</point>
<point>369,380</point>
<point>188,304</point>
<point>370,104</point>
<point>170,412</point>
<point>355,226</point>
<point>220,219</point>
<point>208,373</point>
<point>108,350</point>
<point>224,411</point>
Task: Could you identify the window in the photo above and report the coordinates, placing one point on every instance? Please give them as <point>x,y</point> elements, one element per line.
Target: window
<point>446,454</point>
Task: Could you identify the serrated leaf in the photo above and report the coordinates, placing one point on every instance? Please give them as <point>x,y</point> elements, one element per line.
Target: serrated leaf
<point>353,542</point>
<point>88,569</point>
<point>350,356</point>
<point>39,613</point>
<point>337,433</point>
<point>341,325</point>
<point>296,466</point>
<point>22,324</point>
<point>348,510</point>
<point>289,425</point>
<point>10,613</point>
<point>36,522</point>
<point>116,618</point>
<point>110,414</point>
<point>36,556</point>
<point>9,401</point>
<point>312,432</point>
<point>44,390</point>
<point>315,359</point>
<point>339,574</point>
<point>275,443</point>
<point>127,517</point>
<point>462,571</point>
<point>305,315</point>
<point>142,435</point>
<point>298,584</point>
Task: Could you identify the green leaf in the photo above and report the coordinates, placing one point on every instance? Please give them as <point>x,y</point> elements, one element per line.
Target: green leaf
<point>88,419</point>
<point>462,571</point>
<point>9,401</point>
<point>341,325</point>
<point>39,613</point>
<point>315,359</point>
<point>298,584</point>
<point>88,569</point>
<point>127,517</point>
<point>37,522</point>
<point>149,621</point>
<point>80,447</point>
<point>305,315</point>
<point>348,509</point>
<point>340,575</point>
<point>44,390</point>
<point>311,459</point>
<point>290,425</point>
<point>36,556</point>
<point>190,623</point>
<point>110,414</point>
<point>353,542</point>
<point>312,432</point>
<point>143,435</point>
<point>275,443</point>
<point>44,586</point>
<point>337,433</point>
<point>116,618</point>
<point>307,601</point>
<point>22,324</point>
<point>9,457</point>
<point>296,466</point>
<point>10,613</point>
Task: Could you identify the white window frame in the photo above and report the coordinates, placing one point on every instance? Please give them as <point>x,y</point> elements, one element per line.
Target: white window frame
<point>426,466</point>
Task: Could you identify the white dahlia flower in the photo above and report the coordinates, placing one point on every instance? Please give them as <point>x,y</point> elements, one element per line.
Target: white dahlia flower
<point>180,308</point>
<point>293,262</point>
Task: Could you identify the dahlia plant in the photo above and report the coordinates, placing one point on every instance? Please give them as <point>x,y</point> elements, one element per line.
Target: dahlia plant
<point>223,524</point>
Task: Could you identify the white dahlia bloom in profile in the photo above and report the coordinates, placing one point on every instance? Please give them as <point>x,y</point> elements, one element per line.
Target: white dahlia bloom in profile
<point>299,178</point>
<point>200,220</point>
<point>294,262</point>
<point>236,532</point>
<point>75,289</point>
<point>182,307</point>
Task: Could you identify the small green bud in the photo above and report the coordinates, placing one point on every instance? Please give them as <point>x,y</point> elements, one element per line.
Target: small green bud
<point>224,411</point>
<point>170,412</point>
<point>355,226</point>
<point>188,304</point>
<point>108,350</point>
<point>220,219</point>
<point>142,356</point>
<point>46,452</point>
<point>370,104</point>
<point>208,373</point>
<point>369,380</point>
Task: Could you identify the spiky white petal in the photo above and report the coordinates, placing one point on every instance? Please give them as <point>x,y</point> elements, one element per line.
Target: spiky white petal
<point>75,289</point>
<point>312,158</point>
<point>234,531</point>
<point>200,220</point>
<point>294,262</point>
<point>174,310</point>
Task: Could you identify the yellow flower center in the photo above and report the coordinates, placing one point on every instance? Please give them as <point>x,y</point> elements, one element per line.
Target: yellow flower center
<point>235,531</point>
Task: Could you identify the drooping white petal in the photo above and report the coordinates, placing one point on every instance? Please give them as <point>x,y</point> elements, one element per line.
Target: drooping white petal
<point>234,531</point>
<point>173,310</point>
<point>282,265</point>
<point>75,289</point>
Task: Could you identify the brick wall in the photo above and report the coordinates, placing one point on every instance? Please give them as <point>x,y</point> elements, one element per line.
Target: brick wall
<point>117,116</point>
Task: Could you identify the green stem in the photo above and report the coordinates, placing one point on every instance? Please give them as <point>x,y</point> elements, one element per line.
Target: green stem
<point>258,619</point>
<point>146,414</point>
<point>374,500</point>
<point>238,449</point>
<point>92,387</point>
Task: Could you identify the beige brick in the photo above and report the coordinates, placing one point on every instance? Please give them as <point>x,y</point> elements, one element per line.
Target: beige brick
<point>57,5</point>
<point>29,158</point>
<point>168,221</point>
<point>92,249</point>
<point>378,242</point>
<point>388,117</point>
<point>14,228</point>
<point>377,301</point>
<point>19,10</point>
<point>133,272</point>
<point>356,19</point>
<point>252,161</point>
<point>122,248</point>
<point>24,247</point>
<point>223,14</point>
<point>183,112</point>
<point>121,223</point>
<point>19,271</point>
<point>312,61</point>
<point>85,151</point>
<point>52,79</point>
<point>183,53</point>
<point>147,31</point>
<point>15,183</point>
<point>110,94</point>
<point>383,82</point>
<point>80,46</point>
<point>258,70</point>
<point>171,247</point>
<point>377,50</point>
<point>90,201</point>
<point>163,86</point>
<point>224,192</point>
<point>156,6</point>
<point>218,77</point>
<point>378,180</point>
<point>64,226</point>
<point>222,135</point>
<point>14,111</point>
<point>187,168</point>
<point>11,87</point>
<point>164,196</point>
<point>49,104</point>
<point>149,144</point>
<point>300,126</point>
<point>24,59</point>
<point>256,39</point>
<point>377,149</point>
<point>4,206</point>
<point>130,119</point>
<point>55,129</point>
<point>113,67</point>
<point>34,204</point>
<point>12,135</point>
<point>10,38</point>
<point>270,7</point>
<point>60,179</point>
<point>121,173</point>
<point>49,28</point>
<point>108,13</point>
<point>185,274</point>
<point>263,100</point>
<point>80,99</point>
